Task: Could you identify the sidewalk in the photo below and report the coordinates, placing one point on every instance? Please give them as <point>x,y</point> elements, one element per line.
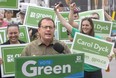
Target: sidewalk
<point>112,73</point>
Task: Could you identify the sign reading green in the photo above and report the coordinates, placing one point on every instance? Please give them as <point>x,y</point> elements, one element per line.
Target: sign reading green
<point>8,53</point>
<point>9,4</point>
<point>96,50</point>
<point>2,36</point>
<point>36,13</point>
<point>54,66</point>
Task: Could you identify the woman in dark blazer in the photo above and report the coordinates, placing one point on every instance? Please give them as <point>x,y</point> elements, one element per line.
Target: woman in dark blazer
<point>13,38</point>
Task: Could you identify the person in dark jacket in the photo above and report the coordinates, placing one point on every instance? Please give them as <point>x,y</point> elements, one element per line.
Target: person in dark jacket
<point>13,38</point>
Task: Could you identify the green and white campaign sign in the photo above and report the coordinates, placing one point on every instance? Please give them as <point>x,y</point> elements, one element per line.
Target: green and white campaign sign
<point>88,14</point>
<point>62,32</point>
<point>113,33</point>
<point>102,28</point>
<point>9,4</point>
<point>2,36</point>
<point>24,36</point>
<point>53,66</point>
<point>8,53</point>
<point>35,13</point>
<point>65,15</point>
<point>96,50</point>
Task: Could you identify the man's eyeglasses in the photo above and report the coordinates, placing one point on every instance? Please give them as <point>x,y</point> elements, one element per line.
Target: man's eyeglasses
<point>45,27</point>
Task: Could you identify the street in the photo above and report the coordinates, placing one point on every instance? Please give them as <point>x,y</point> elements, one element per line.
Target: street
<point>112,73</point>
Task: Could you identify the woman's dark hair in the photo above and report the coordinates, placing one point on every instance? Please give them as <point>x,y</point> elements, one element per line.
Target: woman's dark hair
<point>91,33</point>
<point>47,18</point>
<point>33,34</point>
<point>33,30</point>
<point>13,25</point>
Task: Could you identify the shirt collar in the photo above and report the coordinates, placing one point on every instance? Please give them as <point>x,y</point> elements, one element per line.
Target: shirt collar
<point>52,43</point>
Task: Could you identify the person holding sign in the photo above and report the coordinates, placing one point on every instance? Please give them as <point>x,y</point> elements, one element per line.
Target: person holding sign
<point>45,44</point>
<point>13,38</point>
<point>13,33</point>
<point>87,27</point>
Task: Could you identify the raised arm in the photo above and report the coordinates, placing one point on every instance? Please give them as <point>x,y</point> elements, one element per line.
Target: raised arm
<point>71,15</point>
<point>62,20</point>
